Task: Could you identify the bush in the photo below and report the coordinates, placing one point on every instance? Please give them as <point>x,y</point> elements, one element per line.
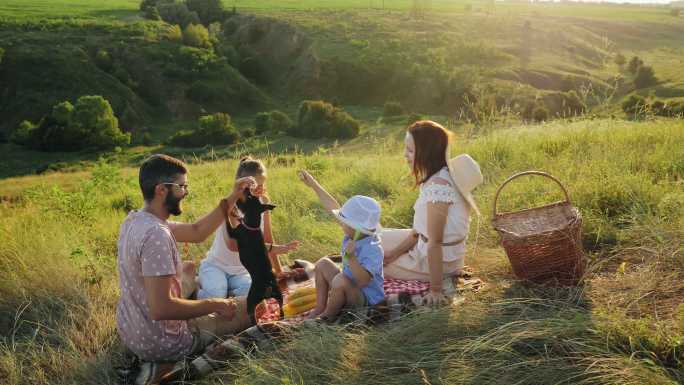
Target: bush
<point>103,60</point>
<point>414,117</point>
<point>620,60</point>
<point>177,13</point>
<point>152,13</point>
<point>209,11</point>
<point>635,106</point>
<point>318,119</point>
<point>274,121</point>
<point>196,35</point>
<point>22,133</point>
<point>572,105</point>
<point>174,33</point>
<point>2,53</point>
<point>645,77</point>
<point>634,64</point>
<point>147,4</point>
<point>90,123</point>
<point>675,12</point>
<point>213,129</point>
<point>540,113</point>
<point>392,109</point>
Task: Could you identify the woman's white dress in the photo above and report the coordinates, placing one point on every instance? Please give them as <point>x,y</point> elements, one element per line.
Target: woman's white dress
<point>414,263</point>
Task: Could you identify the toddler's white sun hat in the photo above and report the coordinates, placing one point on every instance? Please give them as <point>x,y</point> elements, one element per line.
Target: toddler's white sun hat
<point>361,213</point>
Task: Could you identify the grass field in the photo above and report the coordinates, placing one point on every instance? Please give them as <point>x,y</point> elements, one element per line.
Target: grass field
<point>623,326</point>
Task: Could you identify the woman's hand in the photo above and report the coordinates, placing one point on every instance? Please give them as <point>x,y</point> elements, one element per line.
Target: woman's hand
<point>286,248</point>
<point>308,180</point>
<point>243,183</point>
<point>435,299</point>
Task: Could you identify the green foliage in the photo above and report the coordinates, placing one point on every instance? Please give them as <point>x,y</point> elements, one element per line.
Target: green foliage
<point>634,64</point>
<point>196,35</point>
<point>635,106</point>
<point>152,13</point>
<point>540,113</point>
<point>619,59</point>
<point>645,77</point>
<point>392,108</point>
<point>274,121</point>
<point>177,13</point>
<point>90,123</point>
<point>414,117</point>
<point>535,111</point>
<point>2,54</point>
<point>675,12</point>
<point>22,134</point>
<point>213,129</point>
<point>318,119</point>
<point>174,33</point>
<point>209,11</point>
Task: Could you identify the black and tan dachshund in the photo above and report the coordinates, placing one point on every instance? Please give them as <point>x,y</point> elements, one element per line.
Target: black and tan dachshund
<point>253,253</point>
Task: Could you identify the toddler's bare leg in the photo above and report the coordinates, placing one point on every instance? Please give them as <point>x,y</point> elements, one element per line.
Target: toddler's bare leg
<point>343,291</point>
<point>325,271</point>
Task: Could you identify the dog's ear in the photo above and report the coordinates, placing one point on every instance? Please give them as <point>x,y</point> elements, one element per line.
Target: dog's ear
<point>267,206</point>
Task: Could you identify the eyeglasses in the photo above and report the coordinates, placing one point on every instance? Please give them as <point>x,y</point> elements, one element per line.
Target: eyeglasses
<point>183,187</point>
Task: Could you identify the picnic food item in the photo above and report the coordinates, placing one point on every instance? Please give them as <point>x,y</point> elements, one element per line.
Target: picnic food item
<point>543,244</point>
<point>300,305</point>
<point>301,292</point>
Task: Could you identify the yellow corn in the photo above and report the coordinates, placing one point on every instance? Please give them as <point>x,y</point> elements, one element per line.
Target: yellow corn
<point>290,310</point>
<point>297,302</point>
<point>301,292</point>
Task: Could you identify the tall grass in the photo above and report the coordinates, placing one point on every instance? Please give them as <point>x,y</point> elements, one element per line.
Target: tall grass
<point>58,289</point>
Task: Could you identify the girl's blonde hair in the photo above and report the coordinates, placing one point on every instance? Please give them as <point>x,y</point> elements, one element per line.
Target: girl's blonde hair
<point>250,167</point>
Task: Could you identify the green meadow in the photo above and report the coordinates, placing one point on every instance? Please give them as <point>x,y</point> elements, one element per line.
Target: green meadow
<point>523,86</point>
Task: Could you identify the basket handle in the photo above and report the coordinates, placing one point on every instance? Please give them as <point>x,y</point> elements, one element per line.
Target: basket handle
<point>540,173</point>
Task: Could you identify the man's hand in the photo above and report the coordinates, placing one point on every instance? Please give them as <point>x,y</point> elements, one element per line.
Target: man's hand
<point>308,180</point>
<point>225,307</point>
<point>286,248</point>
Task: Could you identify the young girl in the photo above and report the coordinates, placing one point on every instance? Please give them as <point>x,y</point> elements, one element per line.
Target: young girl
<point>221,274</point>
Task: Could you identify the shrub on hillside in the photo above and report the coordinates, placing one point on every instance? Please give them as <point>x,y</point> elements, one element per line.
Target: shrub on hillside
<point>152,13</point>
<point>635,106</point>
<point>174,33</point>
<point>209,11</point>
<point>216,129</point>
<point>535,111</point>
<point>90,123</point>
<point>196,35</point>
<point>318,119</point>
<point>177,13</point>
<point>392,109</point>
<point>572,105</point>
<point>634,64</point>
<point>274,121</point>
<point>620,60</point>
<point>2,53</point>
<point>414,117</point>
<point>540,113</point>
<point>645,77</point>
<point>675,12</point>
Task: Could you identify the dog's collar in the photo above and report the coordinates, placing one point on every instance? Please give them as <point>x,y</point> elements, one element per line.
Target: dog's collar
<point>242,222</point>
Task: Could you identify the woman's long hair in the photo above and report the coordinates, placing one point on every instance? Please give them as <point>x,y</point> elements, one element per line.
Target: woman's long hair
<point>431,141</point>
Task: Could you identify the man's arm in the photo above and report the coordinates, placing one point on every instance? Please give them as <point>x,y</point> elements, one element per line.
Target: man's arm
<point>164,306</point>
<point>199,231</point>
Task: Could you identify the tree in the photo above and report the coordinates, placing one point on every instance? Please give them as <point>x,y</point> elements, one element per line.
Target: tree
<point>177,13</point>
<point>645,77</point>
<point>196,35</point>
<point>94,116</point>
<point>215,129</point>
<point>318,119</point>
<point>675,12</point>
<point>209,11</point>
<point>635,106</point>
<point>620,60</point>
<point>634,64</point>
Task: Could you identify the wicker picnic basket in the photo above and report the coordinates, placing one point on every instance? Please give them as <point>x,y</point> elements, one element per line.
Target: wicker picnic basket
<point>543,244</point>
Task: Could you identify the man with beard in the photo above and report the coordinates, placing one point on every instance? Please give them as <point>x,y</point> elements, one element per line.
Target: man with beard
<point>153,320</point>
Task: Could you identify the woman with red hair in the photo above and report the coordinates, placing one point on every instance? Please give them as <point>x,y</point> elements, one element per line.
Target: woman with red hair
<point>436,245</point>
